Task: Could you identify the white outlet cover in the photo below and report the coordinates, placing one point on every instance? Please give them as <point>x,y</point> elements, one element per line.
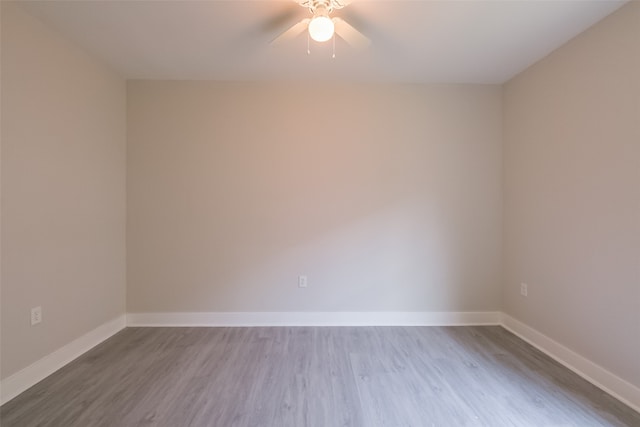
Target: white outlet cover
<point>302,281</point>
<point>36,315</point>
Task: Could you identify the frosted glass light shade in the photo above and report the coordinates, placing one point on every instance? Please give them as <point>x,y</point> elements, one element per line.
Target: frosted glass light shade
<point>321,28</point>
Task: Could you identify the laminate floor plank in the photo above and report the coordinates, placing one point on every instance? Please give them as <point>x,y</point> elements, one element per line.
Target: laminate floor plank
<point>556,383</point>
<point>315,377</point>
<point>546,401</point>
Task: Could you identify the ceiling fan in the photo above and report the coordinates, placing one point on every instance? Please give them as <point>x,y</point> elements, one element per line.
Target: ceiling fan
<point>322,27</point>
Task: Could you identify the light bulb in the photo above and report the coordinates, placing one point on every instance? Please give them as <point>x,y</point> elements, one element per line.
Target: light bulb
<point>321,28</point>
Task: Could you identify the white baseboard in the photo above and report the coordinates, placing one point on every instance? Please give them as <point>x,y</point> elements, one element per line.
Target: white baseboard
<point>15,384</point>
<point>595,374</point>
<point>374,318</point>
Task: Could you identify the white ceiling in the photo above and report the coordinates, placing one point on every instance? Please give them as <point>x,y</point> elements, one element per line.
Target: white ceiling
<point>475,41</point>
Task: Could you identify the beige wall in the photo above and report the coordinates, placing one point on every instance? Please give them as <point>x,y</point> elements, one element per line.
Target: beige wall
<point>572,194</point>
<point>63,191</point>
<point>387,197</point>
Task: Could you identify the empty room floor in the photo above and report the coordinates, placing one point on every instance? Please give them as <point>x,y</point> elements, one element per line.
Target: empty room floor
<point>315,376</point>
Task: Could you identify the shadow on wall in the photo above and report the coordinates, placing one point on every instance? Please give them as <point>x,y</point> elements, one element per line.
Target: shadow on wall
<point>230,200</point>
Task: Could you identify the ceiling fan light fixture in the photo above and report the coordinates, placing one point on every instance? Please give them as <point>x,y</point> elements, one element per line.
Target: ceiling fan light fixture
<point>321,28</point>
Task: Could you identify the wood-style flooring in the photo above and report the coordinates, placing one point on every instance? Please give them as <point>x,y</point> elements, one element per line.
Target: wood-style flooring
<point>317,377</point>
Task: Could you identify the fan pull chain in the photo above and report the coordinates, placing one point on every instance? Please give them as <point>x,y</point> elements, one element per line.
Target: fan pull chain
<point>334,46</point>
<point>308,48</point>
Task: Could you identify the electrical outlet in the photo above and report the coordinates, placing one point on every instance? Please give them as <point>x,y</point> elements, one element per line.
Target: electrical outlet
<point>524,289</point>
<point>36,315</point>
<point>302,281</point>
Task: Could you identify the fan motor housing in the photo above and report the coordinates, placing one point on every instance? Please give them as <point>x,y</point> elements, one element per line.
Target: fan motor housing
<point>324,7</point>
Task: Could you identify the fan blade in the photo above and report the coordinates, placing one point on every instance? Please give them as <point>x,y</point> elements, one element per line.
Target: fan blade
<point>289,13</point>
<point>342,3</point>
<point>292,32</point>
<point>352,36</point>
